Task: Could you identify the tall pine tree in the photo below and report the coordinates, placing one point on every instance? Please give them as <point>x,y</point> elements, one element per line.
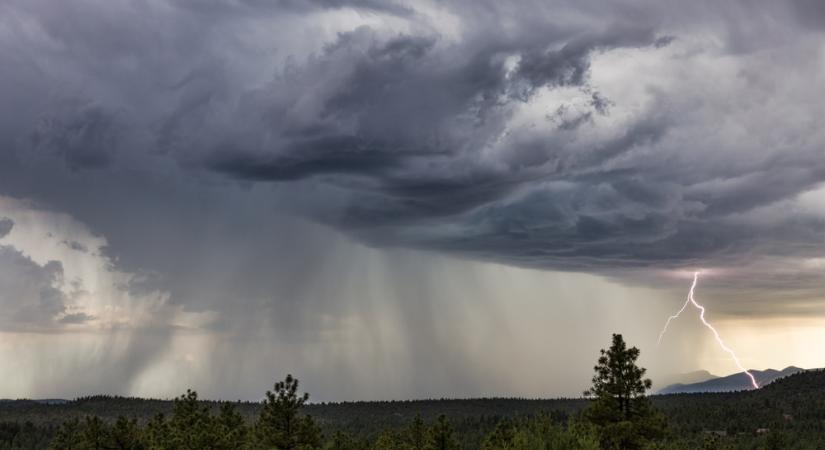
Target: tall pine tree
<point>280,426</point>
<point>624,415</point>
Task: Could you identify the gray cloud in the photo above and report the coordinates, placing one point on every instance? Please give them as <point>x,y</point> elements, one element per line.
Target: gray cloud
<point>76,246</point>
<point>84,137</point>
<point>31,297</point>
<point>219,148</point>
<point>397,138</point>
<point>6,225</point>
<point>294,6</point>
<point>76,318</point>
<point>810,13</point>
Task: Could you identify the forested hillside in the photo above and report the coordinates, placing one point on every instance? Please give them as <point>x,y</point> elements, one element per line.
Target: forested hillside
<point>789,413</point>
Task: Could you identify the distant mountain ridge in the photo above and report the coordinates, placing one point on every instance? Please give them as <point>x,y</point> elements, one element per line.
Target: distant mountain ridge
<point>697,376</point>
<point>736,382</point>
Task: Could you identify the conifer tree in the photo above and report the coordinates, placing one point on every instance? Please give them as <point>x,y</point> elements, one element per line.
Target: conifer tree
<point>157,433</point>
<point>68,436</point>
<point>231,428</point>
<point>94,434</point>
<point>418,435</point>
<point>125,435</point>
<point>191,426</point>
<point>625,416</point>
<point>279,425</point>
<point>502,437</point>
<point>442,435</point>
<point>343,441</point>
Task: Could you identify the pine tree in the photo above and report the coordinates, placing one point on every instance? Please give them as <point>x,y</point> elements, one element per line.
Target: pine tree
<point>626,418</point>
<point>309,433</point>
<point>343,441</point>
<point>279,424</point>
<point>418,436</point>
<point>68,436</point>
<point>157,433</point>
<point>502,437</point>
<point>125,435</point>
<point>442,435</point>
<point>389,440</point>
<point>231,428</point>
<point>191,426</point>
<point>94,434</point>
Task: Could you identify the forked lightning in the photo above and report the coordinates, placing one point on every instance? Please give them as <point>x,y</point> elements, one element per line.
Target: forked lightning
<point>691,300</point>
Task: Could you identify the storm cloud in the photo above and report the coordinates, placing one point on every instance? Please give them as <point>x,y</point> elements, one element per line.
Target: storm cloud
<point>6,225</point>
<point>420,130</point>
<point>226,153</point>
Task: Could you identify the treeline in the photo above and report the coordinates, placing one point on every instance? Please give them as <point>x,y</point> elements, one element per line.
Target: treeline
<point>615,414</point>
<point>192,425</point>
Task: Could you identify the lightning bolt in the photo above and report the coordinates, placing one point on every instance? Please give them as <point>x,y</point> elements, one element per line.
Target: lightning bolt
<point>691,300</point>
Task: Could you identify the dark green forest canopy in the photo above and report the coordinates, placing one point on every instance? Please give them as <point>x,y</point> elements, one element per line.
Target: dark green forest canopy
<point>793,406</point>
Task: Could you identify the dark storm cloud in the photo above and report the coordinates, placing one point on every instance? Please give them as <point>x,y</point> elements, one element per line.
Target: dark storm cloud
<point>211,157</point>
<point>810,12</point>
<point>746,191</point>
<point>312,156</point>
<point>402,126</point>
<point>6,225</point>
<point>86,137</point>
<point>409,110</point>
<point>30,297</point>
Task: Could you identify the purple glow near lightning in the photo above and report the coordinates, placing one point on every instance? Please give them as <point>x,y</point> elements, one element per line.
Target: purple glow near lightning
<point>691,300</point>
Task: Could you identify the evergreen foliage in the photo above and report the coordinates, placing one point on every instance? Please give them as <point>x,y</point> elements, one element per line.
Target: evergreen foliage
<point>623,414</point>
<point>280,425</point>
<point>442,435</point>
<point>787,414</point>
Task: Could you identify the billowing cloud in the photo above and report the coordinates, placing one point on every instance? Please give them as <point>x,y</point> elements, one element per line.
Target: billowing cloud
<point>30,297</point>
<point>444,127</point>
<point>215,153</point>
<point>6,225</point>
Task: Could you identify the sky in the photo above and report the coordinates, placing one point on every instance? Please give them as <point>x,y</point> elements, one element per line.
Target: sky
<point>394,200</point>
